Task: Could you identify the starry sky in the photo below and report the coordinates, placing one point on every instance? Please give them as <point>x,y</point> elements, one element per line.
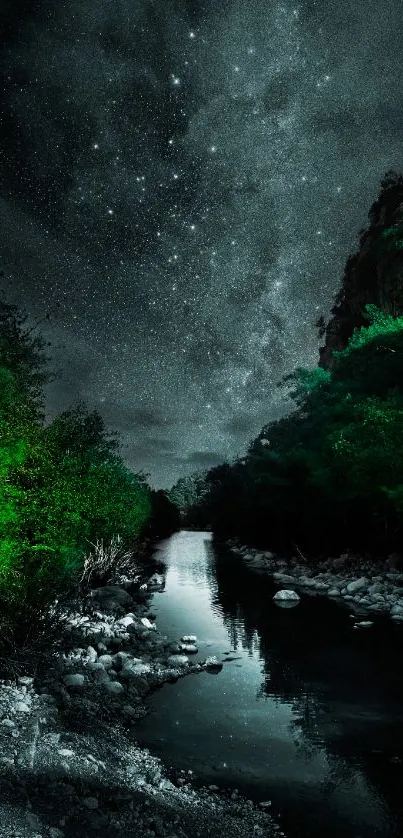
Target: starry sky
<point>181,183</point>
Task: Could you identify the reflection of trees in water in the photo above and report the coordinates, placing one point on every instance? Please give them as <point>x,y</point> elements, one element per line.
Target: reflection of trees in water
<point>312,661</point>
<point>306,722</point>
<point>339,773</point>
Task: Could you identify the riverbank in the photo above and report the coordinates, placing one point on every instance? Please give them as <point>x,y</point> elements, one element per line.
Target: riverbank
<point>69,764</point>
<point>366,586</point>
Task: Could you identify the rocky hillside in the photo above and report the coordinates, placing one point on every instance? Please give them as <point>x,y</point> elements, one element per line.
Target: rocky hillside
<point>373,275</point>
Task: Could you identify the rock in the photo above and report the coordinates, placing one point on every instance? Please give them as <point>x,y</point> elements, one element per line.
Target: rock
<point>286,594</point>
<point>189,638</point>
<point>213,664</point>
<point>106,661</point>
<point>112,592</point>
<point>133,669</point>
<point>333,592</point>
<point>91,802</point>
<point>126,621</point>
<point>375,588</point>
<point>99,674</point>
<point>285,577</point>
<point>129,710</point>
<point>178,660</point>
<point>74,680</point>
<point>364,623</point>
<point>189,648</point>
<point>156,580</point>
<point>148,624</point>
<point>120,658</point>
<point>357,585</point>
<point>114,687</point>
<point>306,582</point>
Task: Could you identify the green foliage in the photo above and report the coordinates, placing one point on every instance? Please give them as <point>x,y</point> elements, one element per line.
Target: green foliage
<point>60,486</point>
<point>331,470</point>
<point>307,381</point>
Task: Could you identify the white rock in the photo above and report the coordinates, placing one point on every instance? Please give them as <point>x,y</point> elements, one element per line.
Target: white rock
<point>106,661</point>
<point>125,621</point>
<point>286,595</point>
<point>148,624</point>
<point>131,669</point>
<point>22,707</point>
<point>365,623</point>
<point>178,660</point>
<point>333,592</point>
<point>213,661</point>
<point>189,638</point>
<point>156,579</point>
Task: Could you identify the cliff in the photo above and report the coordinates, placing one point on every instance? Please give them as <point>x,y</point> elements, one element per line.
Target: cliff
<point>373,275</point>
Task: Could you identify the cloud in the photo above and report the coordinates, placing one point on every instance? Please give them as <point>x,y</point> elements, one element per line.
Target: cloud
<point>205,458</point>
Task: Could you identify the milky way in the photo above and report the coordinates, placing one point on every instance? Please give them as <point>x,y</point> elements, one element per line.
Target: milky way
<point>181,185</point>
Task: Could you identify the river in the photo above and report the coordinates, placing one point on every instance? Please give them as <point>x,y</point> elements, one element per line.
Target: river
<point>307,714</point>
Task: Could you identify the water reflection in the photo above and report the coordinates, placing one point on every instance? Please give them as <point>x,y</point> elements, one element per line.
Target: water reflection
<point>310,716</point>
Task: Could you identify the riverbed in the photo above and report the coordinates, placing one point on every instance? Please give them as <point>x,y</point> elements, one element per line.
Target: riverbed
<point>307,713</point>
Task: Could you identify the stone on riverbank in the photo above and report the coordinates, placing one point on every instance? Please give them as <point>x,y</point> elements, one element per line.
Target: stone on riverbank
<point>364,584</point>
<point>189,648</point>
<point>178,660</point>
<point>286,594</point>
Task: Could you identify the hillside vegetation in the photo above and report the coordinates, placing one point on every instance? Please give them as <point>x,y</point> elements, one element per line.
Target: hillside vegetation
<point>65,495</point>
<point>329,476</point>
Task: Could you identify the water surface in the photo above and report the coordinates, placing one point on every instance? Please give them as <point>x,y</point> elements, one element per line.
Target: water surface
<point>309,714</point>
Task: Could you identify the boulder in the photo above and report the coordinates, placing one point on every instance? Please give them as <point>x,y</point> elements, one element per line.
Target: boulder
<point>286,594</point>
<point>148,624</point>
<point>189,638</point>
<point>109,595</point>
<point>284,577</point>
<point>132,669</point>
<point>126,621</point>
<point>357,585</point>
<point>212,664</point>
<point>106,661</point>
<point>177,660</point>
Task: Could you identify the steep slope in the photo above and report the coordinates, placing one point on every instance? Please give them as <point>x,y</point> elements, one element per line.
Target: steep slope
<point>373,275</point>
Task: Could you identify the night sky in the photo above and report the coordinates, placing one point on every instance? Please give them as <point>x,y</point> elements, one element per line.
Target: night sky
<point>181,183</point>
